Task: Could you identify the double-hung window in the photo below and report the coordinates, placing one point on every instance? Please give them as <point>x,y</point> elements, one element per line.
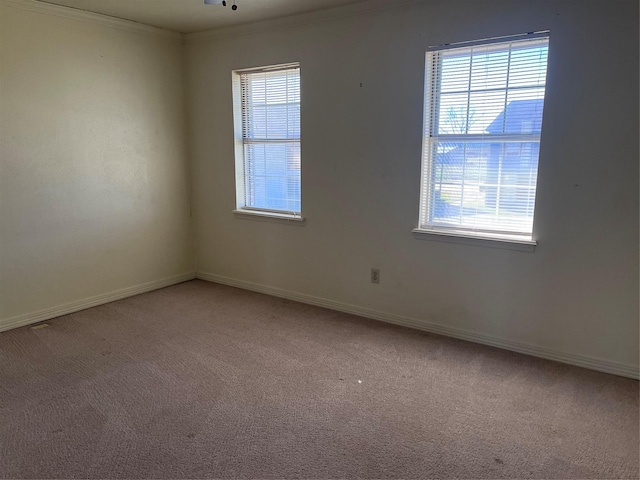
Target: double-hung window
<point>483,118</point>
<point>267,118</point>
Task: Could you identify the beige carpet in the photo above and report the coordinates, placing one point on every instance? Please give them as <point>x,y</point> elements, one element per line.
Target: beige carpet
<point>201,380</point>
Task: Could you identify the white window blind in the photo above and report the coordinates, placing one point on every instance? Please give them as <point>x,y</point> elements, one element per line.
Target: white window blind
<point>483,118</point>
<point>270,100</point>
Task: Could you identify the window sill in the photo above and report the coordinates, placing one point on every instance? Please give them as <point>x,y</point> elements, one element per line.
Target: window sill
<point>466,238</point>
<point>285,218</point>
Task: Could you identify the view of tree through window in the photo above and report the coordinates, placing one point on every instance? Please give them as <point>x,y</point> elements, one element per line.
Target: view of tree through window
<point>482,137</point>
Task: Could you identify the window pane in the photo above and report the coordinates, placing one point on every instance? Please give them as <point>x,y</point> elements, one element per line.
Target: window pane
<point>489,68</point>
<point>271,105</point>
<point>272,176</point>
<point>484,108</point>
<point>524,111</point>
<point>528,66</point>
<point>484,185</point>
<point>453,114</point>
<point>454,75</point>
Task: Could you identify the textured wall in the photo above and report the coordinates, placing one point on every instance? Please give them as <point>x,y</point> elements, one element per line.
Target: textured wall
<point>362,91</point>
<point>93,168</point>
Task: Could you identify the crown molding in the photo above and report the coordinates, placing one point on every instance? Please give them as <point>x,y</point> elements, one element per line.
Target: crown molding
<point>90,17</point>
<point>361,8</point>
<point>318,16</point>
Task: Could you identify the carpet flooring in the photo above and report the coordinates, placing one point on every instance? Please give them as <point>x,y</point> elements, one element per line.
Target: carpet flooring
<point>206,381</point>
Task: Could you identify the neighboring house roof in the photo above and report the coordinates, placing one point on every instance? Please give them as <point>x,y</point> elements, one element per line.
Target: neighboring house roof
<point>522,116</point>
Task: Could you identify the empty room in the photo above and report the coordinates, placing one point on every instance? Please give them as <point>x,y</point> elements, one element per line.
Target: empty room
<point>319,239</point>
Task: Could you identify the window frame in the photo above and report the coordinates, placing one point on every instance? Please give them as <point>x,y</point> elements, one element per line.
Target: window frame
<point>243,210</point>
<point>427,228</point>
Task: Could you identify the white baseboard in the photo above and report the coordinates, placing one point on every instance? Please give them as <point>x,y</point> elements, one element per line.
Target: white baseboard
<point>49,313</point>
<point>601,365</point>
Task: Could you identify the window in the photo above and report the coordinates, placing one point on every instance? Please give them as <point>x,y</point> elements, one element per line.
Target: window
<point>267,118</point>
<point>483,118</point>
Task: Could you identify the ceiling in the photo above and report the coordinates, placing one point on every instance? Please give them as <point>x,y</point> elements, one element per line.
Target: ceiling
<point>188,16</point>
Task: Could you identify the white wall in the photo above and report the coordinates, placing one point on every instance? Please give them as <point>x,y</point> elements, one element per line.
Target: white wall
<point>576,296</point>
<point>93,169</point>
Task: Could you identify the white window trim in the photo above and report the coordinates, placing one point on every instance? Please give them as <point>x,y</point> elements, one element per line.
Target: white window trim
<point>242,211</point>
<point>277,217</point>
<point>464,236</point>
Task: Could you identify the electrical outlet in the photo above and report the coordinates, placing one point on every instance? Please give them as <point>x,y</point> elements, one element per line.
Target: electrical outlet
<point>375,275</point>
